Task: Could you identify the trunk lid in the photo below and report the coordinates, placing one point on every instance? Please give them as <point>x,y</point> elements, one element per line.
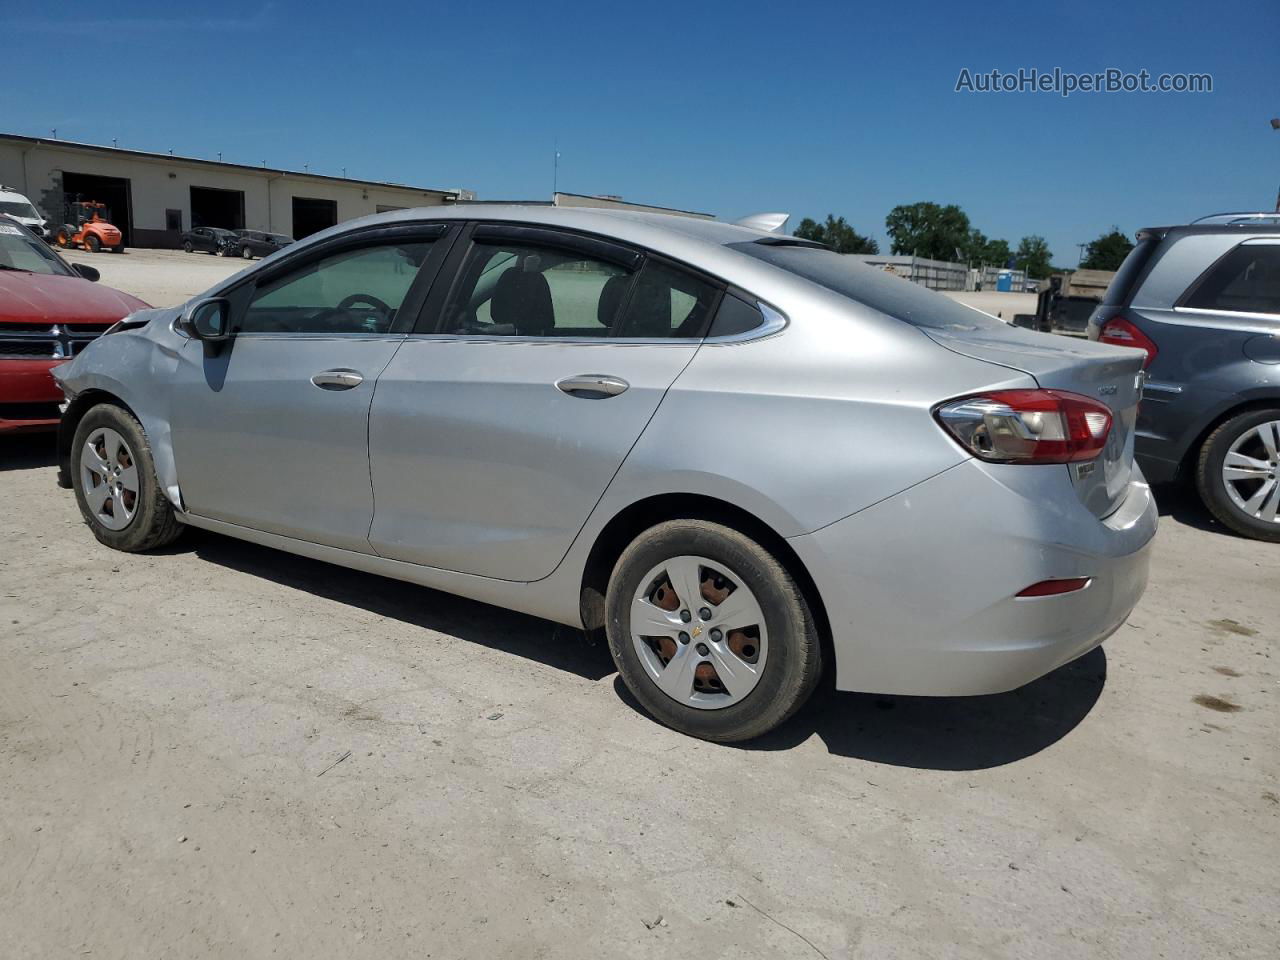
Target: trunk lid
<point>1110,374</point>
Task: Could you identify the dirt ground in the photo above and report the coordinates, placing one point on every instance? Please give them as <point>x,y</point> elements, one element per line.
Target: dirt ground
<point>224,751</point>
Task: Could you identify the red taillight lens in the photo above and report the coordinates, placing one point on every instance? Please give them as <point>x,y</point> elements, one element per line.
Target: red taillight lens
<point>1028,426</point>
<point>1122,333</point>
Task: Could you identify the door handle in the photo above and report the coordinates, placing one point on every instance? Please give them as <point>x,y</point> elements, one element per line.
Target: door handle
<point>592,386</point>
<point>337,379</point>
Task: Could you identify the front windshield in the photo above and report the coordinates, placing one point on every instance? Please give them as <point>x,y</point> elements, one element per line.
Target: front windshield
<point>19,250</point>
<point>19,208</point>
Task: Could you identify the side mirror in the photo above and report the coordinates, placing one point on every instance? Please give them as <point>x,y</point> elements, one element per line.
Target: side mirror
<point>89,273</point>
<point>210,320</point>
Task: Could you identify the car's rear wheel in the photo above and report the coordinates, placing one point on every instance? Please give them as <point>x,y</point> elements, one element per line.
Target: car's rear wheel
<point>710,632</point>
<point>115,482</point>
<point>92,244</point>
<point>118,248</point>
<point>62,238</point>
<point>1238,473</point>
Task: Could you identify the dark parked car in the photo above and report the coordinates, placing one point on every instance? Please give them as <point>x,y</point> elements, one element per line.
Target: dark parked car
<point>211,240</point>
<point>1203,301</point>
<point>255,243</point>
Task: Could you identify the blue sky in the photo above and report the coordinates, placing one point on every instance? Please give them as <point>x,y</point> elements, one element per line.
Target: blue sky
<point>731,108</point>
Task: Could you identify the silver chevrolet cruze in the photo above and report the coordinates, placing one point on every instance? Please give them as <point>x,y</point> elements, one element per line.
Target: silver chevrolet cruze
<point>743,457</point>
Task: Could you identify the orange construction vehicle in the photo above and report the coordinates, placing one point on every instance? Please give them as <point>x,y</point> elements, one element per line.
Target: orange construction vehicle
<point>88,224</point>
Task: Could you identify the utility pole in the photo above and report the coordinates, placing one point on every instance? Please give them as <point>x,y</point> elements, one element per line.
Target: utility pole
<point>555,170</point>
<point>1080,255</point>
<point>1275,125</point>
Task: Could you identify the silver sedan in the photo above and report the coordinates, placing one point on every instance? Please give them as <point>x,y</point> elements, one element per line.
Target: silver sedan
<point>744,458</point>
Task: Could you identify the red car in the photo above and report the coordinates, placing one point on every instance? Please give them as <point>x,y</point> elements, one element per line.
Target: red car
<point>48,311</point>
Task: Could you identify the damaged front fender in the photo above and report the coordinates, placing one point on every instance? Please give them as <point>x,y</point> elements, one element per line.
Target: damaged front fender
<point>132,366</point>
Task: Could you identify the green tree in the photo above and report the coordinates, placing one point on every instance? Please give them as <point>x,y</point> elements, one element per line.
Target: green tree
<point>837,235</point>
<point>1033,256</point>
<point>1107,252</point>
<point>929,230</point>
<point>982,250</point>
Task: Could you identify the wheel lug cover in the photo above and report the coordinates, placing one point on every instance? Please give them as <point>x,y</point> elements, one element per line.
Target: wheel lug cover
<point>716,635</point>
<point>704,613</point>
<point>686,616</point>
<point>684,637</point>
<point>702,649</point>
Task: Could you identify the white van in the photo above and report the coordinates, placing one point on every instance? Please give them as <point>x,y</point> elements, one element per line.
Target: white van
<point>21,209</point>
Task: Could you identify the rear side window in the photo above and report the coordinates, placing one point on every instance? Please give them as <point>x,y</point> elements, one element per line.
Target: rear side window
<point>667,302</point>
<point>1246,280</point>
<point>530,290</point>
<point>1122,284</point>
<point>735,316</point>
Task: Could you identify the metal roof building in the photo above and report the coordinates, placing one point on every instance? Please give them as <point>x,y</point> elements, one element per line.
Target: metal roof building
<point>155,196</point>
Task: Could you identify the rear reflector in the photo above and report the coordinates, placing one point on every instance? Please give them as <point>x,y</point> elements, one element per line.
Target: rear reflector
<point>1028,426</point>
<point>1122,333</point>
<point>1051,588</point>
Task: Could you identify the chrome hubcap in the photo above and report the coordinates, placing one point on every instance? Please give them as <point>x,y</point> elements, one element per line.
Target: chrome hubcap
<point>1251,471</point>
<point>109,478</point>
<point>699,632</point>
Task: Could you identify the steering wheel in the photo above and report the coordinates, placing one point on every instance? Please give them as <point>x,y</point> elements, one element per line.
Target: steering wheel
<point>366,298</point>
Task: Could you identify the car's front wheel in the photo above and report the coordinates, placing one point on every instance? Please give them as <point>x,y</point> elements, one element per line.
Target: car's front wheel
<point>1238,474</point>
<point>115,482</point>
<point>187,246</point>
<point>710,632</point>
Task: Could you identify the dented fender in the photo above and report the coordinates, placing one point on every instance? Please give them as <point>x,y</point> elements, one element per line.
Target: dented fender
<point>135,365</point>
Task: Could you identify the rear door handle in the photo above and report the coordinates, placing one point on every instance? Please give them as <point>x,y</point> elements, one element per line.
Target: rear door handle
<point>337,379</point>
<point>592,386</point>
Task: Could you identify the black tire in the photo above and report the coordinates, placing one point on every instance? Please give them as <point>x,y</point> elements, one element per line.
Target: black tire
<point>186,245</point>
<point>794,662</point>
<point>118,248</point>
<point>154,523</point>
<point>1212,486</point>
<point>91,243</point>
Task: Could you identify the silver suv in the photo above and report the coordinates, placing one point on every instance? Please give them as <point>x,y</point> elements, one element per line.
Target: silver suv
<point>1203,301</point>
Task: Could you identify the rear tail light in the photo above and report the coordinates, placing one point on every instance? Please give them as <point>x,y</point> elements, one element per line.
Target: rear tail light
<point>1122,333</point>
<point>1028,426</point>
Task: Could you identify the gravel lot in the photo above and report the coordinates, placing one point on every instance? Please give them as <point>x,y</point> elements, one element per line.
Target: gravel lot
<point>224,751</point>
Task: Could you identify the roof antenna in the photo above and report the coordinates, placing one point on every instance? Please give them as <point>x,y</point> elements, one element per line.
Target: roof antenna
<point>555,170</point>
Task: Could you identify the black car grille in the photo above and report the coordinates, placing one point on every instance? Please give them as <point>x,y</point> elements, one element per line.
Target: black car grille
<point>29,411</point>
<point>25,341</point>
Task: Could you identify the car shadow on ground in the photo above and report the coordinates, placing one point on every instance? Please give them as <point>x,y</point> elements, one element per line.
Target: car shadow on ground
<point>28,451</point>
<point>942,733</point>
<point>1181,502</point>
<point>563,648</point>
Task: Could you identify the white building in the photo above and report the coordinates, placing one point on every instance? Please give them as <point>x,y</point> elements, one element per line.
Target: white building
<point>155,196</point>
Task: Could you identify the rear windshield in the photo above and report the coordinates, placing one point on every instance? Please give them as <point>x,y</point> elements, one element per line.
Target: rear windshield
<point>878,289</point>
<point>1121,287</point>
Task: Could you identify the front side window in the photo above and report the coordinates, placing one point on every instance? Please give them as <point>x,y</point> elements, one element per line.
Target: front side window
<point>352,291</point>
<point>1246,280</point>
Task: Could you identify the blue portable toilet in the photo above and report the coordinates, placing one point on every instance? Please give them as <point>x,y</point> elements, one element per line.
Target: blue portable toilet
<point>1004,281</point>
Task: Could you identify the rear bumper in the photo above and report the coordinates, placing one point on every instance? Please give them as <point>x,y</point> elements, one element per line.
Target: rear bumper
<point>28,395</point>
<point>920,588</point>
